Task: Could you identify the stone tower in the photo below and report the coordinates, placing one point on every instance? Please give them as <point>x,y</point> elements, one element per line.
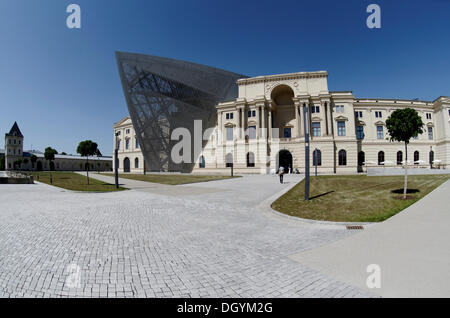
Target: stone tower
<point>13,146</point>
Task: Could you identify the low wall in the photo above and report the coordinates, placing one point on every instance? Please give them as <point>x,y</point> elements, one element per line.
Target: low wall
<point>392,171</point>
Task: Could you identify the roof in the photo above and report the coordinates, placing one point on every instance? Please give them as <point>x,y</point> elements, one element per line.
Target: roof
<point>15,131</point>
<point>93,158</point>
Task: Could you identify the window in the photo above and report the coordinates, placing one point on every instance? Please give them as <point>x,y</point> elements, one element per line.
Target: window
<point>287,132</point>
<point>359,132</point>
<point>317,157</point>
<point>250,159</point>
<point>136,163</point>
<point>202,162</point>
<point>380,133</point>
<point>118,133</point>
<point>229,160</point>
<point>315,109</point>
<point>416,157</point>
<point>399,157</point>
<point>229,115</point>
<point>358,114</point>
<point>9,141</point>
<point>14,141</point>
<point>380,158</point>
<point>378,114</point>
<point>18,151</point>
<point>127,143</point>
<point>127,131</point>
<point>229,133</point>
<point>251,113</point>
<point>316,129</point>
<point>341,128</point>
<point>342,157</point>
<point>118,143</point>
<point>430,133</point>
<point>428,115</point>
<point>252,132</point>
<point>137,144</point>
<point>449,112</point>
<point>361,158</point>
<point>339,108</point>
<point>19,142</point>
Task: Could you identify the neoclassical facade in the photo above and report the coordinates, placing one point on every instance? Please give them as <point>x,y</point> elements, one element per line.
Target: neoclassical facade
<point>130,157</point>
<point>264,127</point>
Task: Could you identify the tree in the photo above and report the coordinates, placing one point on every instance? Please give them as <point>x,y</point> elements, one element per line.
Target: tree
<point>85,149</point>
<point>63,153</point>
<point>49,155</point>
<point>402,125</point>
<point>17,164</point>
<point>25,161</point>
<point>33,160</point>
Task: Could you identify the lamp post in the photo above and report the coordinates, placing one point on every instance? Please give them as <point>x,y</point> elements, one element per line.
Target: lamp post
<point>315,161</point>
<point>306,125</point>
<point>431,159</point>
<point>116,161</point>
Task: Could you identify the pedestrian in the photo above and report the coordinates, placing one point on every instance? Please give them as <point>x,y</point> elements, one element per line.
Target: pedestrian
<point>281,173</point>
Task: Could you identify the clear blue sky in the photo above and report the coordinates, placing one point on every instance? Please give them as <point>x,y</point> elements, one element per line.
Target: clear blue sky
<point>62,86</point>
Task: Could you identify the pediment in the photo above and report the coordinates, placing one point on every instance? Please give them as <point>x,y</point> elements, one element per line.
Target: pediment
<point>430,124</point>
<point>340,118</point>
<point>379,123</point>
<point>316,118</point>
<point>360,123</point>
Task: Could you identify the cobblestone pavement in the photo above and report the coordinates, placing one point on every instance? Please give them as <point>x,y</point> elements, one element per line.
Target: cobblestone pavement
<point>57,243</point>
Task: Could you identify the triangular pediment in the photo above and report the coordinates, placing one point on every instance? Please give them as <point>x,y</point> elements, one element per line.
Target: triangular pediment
<point>340,118</point>
<point>379,123</point>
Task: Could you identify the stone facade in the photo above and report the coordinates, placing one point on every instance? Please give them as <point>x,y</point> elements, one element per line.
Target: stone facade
<point>264,128</point>
<point>130,157</point>
<point>14,152</point>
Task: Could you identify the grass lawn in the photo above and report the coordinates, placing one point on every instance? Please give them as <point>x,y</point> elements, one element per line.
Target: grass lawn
<point>172,179</point>
<point>355,198</point>
<point>75,181</point>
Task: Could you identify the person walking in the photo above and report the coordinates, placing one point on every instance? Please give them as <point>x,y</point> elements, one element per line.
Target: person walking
<point>281,173</point>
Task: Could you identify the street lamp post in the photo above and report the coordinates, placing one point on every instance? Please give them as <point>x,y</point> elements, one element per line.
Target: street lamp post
<point>116,161</point>
<point>315,161</point>
<point>431,159</point>
<point>306,125</point>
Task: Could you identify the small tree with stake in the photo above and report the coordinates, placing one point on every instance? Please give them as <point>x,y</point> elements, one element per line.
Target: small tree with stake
<point>49,155</point>
<point>33,160</point>
<point>87,148</point>
<point>402,125</point>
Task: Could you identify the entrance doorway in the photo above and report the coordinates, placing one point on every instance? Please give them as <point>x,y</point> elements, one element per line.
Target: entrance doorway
<point>285,160</point>
<point>126,165</point>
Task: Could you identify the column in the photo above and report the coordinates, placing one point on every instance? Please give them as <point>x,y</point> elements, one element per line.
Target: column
<point>269,122</point>
<point>220,132</point>
<point>298,119</point>
<point>330,120</point>
<point>258,121</point>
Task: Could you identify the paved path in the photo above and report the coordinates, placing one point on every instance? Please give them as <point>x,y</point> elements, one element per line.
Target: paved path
<point>211,240</point>
<point>412,249</point>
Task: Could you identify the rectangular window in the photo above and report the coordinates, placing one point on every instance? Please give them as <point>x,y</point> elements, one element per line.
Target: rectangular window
<point>127,143</point>
<point>430,133</point>
<point>252,132</point>
<point>227,115</point>
<point>428,116</point>
<point>339,108</point>
<point>287,132</point>
<point>118,144</point>
<point>358,114</point>
<point>315,109</point>
<point>127,131</point>
<point>229,133</point>
<point>118,133</point>
<point>316,129</point>
<point>380,133</point>
<point>360,132</point>
<point>137,144</point>
<point>251,113</point>
<point>378,114</point>
<point>341,128</point>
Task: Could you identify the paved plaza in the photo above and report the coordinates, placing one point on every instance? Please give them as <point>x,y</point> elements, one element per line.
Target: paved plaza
<point>213,239</point>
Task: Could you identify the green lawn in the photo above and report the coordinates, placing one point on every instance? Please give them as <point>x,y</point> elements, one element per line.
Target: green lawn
<point>74,181</point>
<point>172,179</point>
<point>355,198</point>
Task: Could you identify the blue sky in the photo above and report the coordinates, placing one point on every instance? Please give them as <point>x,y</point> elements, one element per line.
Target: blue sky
<point>62,86</point>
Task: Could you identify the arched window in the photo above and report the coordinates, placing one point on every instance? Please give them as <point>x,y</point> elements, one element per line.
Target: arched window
<point>136,163</point>
<point>416,157</point>
<point>380,158</point>
<point>342,157</point>
<point>250,159</point>
<point>431,156</point>
<point>399,157</point>
<point>229,160</point>
<point>202,162</point>
<point>361,158</point>
<point>317,157</point>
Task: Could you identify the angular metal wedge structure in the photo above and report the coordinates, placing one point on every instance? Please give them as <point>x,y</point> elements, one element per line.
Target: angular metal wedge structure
<point>164,94</point>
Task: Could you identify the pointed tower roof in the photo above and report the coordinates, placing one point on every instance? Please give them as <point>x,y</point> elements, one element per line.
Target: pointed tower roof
<point>15,131</point>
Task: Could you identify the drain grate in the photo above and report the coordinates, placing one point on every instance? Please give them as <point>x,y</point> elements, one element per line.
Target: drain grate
<point>355,227</point>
